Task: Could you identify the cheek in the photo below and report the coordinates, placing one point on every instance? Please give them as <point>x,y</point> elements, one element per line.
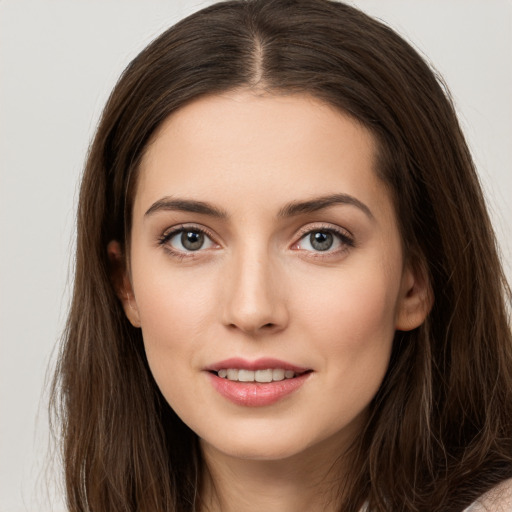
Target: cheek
<point>176,317</point>
<point>170,301</point>
<point>176,313</point>
<point>351,302</point>
<point>352,325</point>
<point>352,320</point>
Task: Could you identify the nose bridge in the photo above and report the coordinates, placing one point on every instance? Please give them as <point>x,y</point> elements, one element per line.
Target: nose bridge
<point>254,300</point>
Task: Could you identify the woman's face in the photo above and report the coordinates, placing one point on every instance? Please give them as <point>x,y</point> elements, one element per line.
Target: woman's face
<point>264,247</point>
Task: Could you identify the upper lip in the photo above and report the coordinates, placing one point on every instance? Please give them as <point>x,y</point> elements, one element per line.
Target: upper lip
<point>263,363</point>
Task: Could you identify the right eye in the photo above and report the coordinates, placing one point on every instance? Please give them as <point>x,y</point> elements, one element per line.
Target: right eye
<point>187,240</point>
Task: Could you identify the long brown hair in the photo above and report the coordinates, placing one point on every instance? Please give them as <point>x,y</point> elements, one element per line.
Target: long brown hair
<point>439,432</point>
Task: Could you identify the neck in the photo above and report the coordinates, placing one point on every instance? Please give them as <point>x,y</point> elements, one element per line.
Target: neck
<point>310,481</point>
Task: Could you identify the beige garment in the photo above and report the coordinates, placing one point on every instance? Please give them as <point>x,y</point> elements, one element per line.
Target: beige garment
<point>498,499</point>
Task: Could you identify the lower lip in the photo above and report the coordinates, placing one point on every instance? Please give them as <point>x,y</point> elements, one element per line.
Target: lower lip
<point>252,394</point>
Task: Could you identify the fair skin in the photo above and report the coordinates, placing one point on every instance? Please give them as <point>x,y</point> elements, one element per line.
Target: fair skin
<point>320,286</point>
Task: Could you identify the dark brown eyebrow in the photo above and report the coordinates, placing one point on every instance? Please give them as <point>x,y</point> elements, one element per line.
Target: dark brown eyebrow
<point>185,205</point>
<point>290,210</point>
<point>319,203</point>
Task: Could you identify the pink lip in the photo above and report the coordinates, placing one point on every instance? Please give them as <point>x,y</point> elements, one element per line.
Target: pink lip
<point>260,364</point>
<point>252,394</point>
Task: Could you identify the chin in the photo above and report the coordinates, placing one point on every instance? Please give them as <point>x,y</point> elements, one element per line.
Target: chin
<point>257,449</point>
<point>274,442</point>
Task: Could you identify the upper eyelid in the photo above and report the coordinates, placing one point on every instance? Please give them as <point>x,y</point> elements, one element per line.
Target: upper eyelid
<point>183,227</point>
<point>309,228</point>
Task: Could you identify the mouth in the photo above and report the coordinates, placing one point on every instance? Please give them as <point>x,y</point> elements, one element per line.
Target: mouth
<point>256,383</point>
<point>262,376</point>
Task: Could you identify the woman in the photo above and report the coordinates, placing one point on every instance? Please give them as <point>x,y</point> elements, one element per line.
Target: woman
<point>287,291</point>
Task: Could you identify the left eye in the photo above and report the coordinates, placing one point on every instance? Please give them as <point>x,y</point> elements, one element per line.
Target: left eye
<point>189,240</point>
<point>322,240</point>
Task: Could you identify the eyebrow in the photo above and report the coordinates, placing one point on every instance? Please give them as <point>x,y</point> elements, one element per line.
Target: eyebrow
<point>290,210</point>
<point>185,205</point>
<point>319,203</point>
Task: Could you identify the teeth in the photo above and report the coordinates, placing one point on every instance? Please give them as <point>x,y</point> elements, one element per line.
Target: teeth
<point>245,376</point>
<point>278,374</point>
<point>268,375</point>
<point>232,374</point>
<point>263,375</point>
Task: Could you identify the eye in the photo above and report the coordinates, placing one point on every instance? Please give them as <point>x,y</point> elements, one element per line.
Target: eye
<point>187,240</point>
<point>321,240</point>
<point>324,240</point>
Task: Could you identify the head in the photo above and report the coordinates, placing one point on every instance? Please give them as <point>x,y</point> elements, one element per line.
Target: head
<point>445,337</point>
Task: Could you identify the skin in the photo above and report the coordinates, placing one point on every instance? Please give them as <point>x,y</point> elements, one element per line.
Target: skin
<point>258,288</point>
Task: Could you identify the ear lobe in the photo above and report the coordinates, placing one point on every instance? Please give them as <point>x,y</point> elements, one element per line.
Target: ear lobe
<point>121,282</point>
<point>416,299</point>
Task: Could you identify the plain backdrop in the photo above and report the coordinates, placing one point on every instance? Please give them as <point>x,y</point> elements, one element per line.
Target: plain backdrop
<point>59,60</point>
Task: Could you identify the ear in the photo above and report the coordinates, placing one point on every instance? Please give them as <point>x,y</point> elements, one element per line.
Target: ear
<point>121,281</point>
<point>416,298</point>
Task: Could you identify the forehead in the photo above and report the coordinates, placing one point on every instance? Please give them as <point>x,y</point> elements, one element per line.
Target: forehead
<point>269,149</point>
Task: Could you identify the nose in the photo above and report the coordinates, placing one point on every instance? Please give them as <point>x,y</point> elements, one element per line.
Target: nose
<point>255,300</point>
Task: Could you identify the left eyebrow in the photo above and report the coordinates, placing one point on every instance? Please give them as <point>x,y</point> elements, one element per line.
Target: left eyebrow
<point>319,203</point>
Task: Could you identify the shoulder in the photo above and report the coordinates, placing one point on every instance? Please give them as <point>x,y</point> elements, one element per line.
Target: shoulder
<point>498,499</point>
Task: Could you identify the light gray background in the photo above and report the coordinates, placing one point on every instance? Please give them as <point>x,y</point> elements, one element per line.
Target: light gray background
<point>58,61</point>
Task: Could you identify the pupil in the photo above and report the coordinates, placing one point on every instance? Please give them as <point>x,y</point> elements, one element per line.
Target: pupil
<point>321,240</point>
<point>192,240</point>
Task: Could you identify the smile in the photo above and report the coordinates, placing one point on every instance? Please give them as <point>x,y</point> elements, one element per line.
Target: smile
<point>256,383</point>
<point>267,375</point>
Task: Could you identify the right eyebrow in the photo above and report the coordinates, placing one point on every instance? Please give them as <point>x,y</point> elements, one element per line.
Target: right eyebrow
<point>185,205</point>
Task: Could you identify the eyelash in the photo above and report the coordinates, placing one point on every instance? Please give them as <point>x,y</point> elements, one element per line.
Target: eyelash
<point>345,239</point>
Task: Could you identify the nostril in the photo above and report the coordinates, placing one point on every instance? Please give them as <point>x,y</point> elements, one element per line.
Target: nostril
<point>267,327</point>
